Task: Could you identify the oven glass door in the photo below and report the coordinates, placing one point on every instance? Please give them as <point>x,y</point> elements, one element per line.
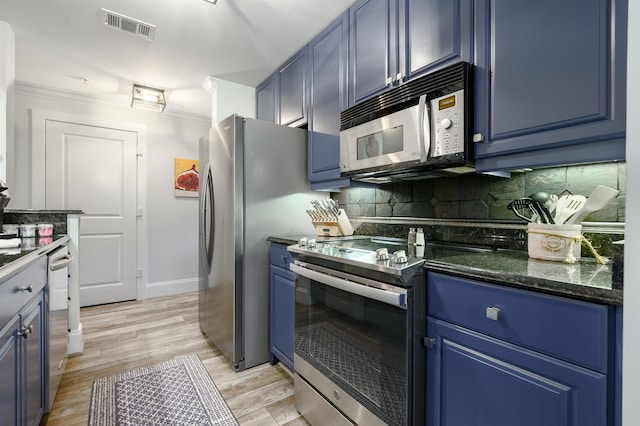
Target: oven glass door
<point>357,342</point>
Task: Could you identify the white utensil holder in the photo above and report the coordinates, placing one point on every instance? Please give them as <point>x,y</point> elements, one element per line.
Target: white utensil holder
<point>555,242</point>
<point>341,227</point>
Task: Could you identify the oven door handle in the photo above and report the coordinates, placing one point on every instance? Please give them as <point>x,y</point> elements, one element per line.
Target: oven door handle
<point>390,297</point>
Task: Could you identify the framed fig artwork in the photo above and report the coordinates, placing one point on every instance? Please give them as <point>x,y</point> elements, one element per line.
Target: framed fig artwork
<point>186,177</point>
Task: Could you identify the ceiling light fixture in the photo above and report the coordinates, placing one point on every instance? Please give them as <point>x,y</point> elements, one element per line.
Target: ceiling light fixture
<point>147,98</point>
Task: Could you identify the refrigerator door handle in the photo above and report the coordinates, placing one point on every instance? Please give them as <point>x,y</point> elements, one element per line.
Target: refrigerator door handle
<point>207,216</point>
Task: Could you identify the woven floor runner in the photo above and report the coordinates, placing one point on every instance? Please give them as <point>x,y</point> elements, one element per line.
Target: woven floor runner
<point>176,392</point>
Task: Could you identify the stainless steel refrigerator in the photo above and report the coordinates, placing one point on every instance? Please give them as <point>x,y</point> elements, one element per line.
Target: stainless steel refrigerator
<point>253,185</point>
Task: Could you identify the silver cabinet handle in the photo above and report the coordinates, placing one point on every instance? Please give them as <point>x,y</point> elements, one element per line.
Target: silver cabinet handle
<point>60,263</point>
<point>493,313</point>
<point>29,288</point>
<point>25,331</point>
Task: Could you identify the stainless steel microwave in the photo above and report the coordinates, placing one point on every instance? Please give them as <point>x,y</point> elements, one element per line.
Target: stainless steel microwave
<point>418,130</point>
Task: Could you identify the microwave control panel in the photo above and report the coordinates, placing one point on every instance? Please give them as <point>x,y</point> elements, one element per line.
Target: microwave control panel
<point>447,124</point>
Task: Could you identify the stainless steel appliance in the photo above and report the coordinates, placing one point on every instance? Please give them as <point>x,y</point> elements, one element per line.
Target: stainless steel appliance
<point>418,130</point>
<point>58,300</point>
<point>359,307</point>
<point>253,185</point>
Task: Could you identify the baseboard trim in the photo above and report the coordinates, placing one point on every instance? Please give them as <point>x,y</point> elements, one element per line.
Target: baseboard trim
<point>170,288</point>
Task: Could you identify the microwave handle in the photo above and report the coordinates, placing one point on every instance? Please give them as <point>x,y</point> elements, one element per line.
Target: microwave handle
<point>424,128</point>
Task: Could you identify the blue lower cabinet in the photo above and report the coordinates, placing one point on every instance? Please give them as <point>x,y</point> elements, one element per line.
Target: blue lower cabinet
<point>23,346</point>
<point>282,304</point>
<point>473,379</point>
<point>9,373</point>
<point>502,356</point>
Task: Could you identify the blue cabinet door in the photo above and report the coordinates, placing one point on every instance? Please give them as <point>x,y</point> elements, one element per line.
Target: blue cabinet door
<point>550,82</point>
<point>327,98</point>
<point>33,356</point>
<point>373,48</point>
<point>9,373</point>
<point>282,314</point>
<point>292,91</point>
<point>474,379</point>
<point>281,305</point>
<point>395,41</point>
<point>436,33</point>
<point>266,100</point>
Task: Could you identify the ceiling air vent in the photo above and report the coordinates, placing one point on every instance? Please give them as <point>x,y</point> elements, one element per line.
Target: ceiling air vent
<point>117,21</point>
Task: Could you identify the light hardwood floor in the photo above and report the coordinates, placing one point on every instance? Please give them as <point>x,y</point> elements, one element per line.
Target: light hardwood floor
<point>122,336</point>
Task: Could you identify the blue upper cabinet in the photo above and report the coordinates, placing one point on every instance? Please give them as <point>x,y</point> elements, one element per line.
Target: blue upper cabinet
<point>281,97</point>
<point>292,91</point>
<point>327,98</point>
<point>391,41</point>
<point>436,33</point>
<point>266,100</point>
<point>550,82</point>
<point>373,48</point>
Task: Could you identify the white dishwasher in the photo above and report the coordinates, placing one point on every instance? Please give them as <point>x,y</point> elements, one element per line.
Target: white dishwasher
<point>58,279</point>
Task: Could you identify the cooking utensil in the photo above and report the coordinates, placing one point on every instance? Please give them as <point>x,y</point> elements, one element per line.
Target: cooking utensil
<point>542,197</point>
<point>553,200</point>
<point>598,199</point>
<point>335,205</point>
<point>567,206</point>
<point>541,200</point>
<point>329,209</point>
<point>525,209</point>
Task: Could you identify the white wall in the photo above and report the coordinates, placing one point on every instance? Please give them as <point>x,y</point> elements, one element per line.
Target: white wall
<point>631,331</point>
<point>7,76</point>
<point>168,229</point>
<point>229,98</point>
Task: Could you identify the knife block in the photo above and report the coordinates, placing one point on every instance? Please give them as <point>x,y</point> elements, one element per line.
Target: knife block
<point>339,228</point>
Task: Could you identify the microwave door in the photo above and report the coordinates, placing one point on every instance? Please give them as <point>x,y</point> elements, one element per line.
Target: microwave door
<point>384,142</point>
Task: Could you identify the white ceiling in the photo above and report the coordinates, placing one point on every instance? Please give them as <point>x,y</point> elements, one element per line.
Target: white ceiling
<point>64,44</point>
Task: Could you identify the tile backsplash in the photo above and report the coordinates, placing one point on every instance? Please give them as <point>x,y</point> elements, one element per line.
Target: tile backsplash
<point>485,197</point>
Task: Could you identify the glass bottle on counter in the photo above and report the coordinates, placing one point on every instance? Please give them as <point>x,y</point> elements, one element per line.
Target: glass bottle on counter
<point>412,236</point>
<point>420,237</point>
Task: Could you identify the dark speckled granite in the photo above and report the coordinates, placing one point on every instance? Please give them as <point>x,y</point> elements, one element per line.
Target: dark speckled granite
<point>585,279</point>
<point>508,263</point>
<point>56,217</point>
<point>27,247</point>
<point>617,267</point>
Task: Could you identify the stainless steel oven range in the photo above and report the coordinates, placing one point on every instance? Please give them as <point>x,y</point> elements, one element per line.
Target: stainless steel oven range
<point>359,308</point>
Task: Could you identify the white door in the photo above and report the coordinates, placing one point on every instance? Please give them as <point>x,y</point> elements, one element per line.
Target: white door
<point>93,169</point>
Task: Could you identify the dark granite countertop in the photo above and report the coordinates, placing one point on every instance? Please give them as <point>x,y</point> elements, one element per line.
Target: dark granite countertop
<point>585,279</point>
<point>14,260</point>
<point>42,211</point>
